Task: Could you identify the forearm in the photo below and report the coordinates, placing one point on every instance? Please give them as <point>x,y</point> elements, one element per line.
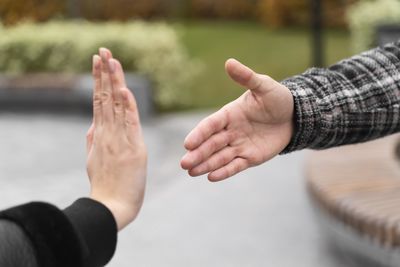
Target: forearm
<point>353,101</point>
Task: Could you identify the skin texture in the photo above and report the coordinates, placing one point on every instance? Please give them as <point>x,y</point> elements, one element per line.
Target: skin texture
<point>116,153</point>
<point>246,132</point>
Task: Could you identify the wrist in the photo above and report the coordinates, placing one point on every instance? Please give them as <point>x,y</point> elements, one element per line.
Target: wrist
<point>123,215</point>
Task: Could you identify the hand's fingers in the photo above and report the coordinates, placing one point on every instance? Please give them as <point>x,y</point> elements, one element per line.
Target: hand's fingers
<point>118,82</point>
<point>106,93</point>
<point>89,138</point>
<point>117,74</point>
<point>235,166</point>
<point>246,77</point>
<point>206,128</point>
<point>215,143</point>
<point>216,161</point>
<point>96,72</point>
<point>117,78</point>
<point>132,120</point>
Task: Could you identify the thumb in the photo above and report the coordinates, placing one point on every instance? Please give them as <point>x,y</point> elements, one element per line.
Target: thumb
<point>245,76</point>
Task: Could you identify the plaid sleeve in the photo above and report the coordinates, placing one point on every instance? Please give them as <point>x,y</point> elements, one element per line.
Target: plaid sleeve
<point>355,100</point>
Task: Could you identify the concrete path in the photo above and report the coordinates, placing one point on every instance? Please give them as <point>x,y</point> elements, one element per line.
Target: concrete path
<point>258,218</point>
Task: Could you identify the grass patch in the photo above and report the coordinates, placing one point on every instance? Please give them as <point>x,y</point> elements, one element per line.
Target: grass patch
<point>278,53</point>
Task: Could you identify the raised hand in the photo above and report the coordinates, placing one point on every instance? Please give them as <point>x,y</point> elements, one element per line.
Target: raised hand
<point>117,156</point>
<point>244,133</point>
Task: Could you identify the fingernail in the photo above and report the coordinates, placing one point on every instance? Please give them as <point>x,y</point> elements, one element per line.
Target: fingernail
<point>103,53</point>
<point>112,65</point>
<point>96,60</point>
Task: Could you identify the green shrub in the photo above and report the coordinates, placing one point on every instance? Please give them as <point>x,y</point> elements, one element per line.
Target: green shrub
<point>150,49</point>
<point>365,16</point>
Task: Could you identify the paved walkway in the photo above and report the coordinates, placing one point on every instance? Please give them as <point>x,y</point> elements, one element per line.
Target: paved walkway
<point>259,218</point>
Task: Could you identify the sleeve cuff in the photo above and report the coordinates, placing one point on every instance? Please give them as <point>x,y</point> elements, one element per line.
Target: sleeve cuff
<point>97,229</point>
<point>306,114</point>
<point>51,233</point>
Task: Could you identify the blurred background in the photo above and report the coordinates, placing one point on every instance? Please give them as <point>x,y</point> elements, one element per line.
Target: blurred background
<point>173,52</point>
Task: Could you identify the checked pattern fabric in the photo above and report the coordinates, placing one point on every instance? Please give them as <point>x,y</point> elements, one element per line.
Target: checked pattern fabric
<point>355,100</point>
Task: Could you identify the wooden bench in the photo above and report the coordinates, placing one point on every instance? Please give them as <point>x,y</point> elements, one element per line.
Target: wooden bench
<point>356,192</point>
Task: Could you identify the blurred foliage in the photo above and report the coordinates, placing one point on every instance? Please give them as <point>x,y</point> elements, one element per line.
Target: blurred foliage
<point>153,50</point>
<point>13,11</point>
<point>123,9</point>
<point>277,13</point>
<point>228,9</point>
<point>365,16</point>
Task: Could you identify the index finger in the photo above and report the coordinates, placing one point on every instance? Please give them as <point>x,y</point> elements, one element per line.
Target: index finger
<point>206,128</point>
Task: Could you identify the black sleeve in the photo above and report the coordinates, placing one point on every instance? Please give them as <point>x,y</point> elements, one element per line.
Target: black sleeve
<point>84,235</point>
<point>97,230</point>
<point>15,247</point>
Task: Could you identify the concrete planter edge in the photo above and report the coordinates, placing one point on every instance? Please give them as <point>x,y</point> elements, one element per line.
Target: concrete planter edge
<point>65,92</point>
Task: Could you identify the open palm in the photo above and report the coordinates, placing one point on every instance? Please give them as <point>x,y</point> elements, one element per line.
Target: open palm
<point>244,133</point>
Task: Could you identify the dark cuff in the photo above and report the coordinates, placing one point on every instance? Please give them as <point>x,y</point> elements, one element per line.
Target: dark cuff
<point>52,235</point>
<point>306,114</point>
<point>97,228</point>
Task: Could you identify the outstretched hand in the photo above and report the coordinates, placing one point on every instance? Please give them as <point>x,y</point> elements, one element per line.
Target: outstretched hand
<point>117,156</point>
<point>244,133</point>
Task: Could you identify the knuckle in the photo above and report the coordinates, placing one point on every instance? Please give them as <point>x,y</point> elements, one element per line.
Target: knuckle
<point>97,99</point>
<point>130,122</point>
<point>118,107</point>
<point>105,96</point>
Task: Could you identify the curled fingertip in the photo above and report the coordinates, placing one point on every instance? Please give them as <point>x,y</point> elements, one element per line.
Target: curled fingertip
<point>186,144</point>
<point>214,177</point>
<point>191,173</point>
<point>189,144</point>
<point>185,162</point>
<point>183,165</point>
